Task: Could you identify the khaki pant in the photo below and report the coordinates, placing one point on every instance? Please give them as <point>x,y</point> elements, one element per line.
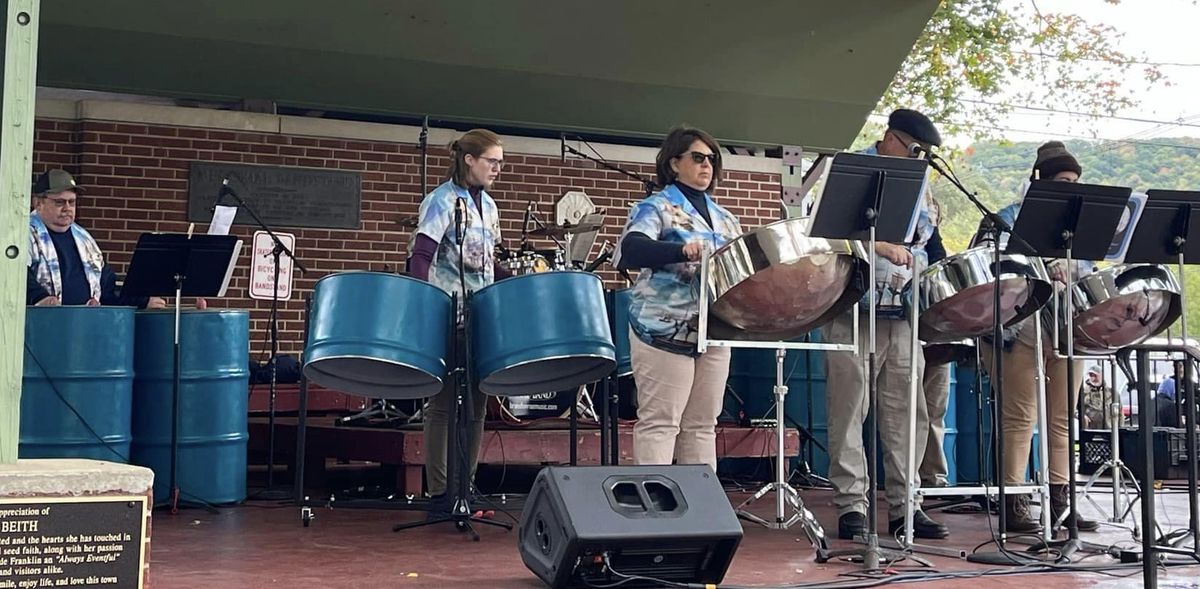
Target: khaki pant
<point>679,399</point>
<point>1018,408</point>
<point>437,425</point>
<point>934,470</point>
<point>846,399</point>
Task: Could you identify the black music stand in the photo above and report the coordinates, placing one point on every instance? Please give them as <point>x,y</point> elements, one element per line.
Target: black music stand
<point>178,265</point>
<point>1162,237</point>
<point>876,199</point>
<point>1071,221</point>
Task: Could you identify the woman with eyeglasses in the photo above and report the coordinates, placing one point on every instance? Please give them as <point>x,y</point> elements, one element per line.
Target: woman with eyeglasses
<point>1019,399</point>
<point>475,162</point>
<point>680,392</point>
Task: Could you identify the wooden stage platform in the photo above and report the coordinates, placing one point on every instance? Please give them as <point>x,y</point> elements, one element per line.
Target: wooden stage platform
<point>543,442</point>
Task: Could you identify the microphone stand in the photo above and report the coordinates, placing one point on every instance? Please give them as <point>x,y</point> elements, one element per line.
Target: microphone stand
<point>998,227</point>
<point>647,184</point>
<point>278,250</point>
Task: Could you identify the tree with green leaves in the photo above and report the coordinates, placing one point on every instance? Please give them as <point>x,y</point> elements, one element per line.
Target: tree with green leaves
<point>977,59</point>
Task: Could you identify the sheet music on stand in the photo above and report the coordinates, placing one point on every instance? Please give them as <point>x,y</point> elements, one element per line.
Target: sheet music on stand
<point>222,220</point>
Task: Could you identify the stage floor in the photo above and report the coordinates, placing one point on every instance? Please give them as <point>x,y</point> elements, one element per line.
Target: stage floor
<point>263,545</point>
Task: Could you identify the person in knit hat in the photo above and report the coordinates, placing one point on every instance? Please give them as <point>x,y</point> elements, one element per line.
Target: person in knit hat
<point>1019,399</point>
<point>1054,162</point>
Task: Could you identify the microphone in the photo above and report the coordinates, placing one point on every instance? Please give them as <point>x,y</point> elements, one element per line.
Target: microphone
<point>915,150</point>
<point>525,222</point>
<point>221,195</point>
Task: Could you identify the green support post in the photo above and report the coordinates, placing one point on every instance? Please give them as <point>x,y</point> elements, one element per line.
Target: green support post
<point>16,168</point>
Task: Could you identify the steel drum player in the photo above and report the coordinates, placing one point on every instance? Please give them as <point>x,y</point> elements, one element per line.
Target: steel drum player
<point>1019,403</point>
<point>846,400</point>
<point>476,159</point>
<point>680,392</point>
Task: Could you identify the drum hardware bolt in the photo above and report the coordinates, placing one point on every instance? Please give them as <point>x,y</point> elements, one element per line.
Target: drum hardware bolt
<point>409,498</point>
<point>12,252</point>
<point>503,498</point>
<point>307,516</point>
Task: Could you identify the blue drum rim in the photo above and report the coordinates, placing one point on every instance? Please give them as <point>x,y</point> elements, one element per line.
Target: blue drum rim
<point>510,279</point>
<point>548,358</point>
<point>393,363</point>
<point>374,273</point>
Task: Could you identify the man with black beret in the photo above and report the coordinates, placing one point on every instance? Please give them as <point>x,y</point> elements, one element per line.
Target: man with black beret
<point>908,134</point>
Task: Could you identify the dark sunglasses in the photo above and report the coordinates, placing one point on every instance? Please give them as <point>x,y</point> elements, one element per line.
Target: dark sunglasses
<point>698,157</point>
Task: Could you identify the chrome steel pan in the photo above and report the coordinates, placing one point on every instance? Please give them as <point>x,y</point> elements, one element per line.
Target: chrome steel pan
<point>775,282</point>
<point>956,293</point>
<point>1120,306</point>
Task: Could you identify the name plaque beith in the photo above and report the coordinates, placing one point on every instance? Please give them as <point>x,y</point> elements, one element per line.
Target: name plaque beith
<point>282,197</point>
<point>72,542</point>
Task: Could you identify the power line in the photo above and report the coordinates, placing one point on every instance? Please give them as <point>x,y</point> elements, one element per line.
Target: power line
<point>1177,123</point>
<point>1058,134</point>
<point>1114,61</point>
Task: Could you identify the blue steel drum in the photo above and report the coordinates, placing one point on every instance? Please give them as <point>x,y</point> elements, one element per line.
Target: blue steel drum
<point>214,377</point>
<point>619,300</point>
<point>540,333</point>
<point>379,335</point>
<point>86,353</point>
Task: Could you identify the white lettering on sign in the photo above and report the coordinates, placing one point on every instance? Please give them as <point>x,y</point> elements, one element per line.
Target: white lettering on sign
<point>262,266</point>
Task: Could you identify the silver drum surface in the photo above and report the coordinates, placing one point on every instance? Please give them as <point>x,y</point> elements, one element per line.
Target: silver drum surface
<point>957,293</point>
<point>775,282</point>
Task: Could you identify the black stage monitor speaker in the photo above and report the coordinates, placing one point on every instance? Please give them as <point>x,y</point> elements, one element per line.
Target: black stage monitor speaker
<point>594,524</point>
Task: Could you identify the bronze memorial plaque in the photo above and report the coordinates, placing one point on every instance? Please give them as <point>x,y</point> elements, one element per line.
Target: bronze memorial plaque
<point>282,197</point>
<point>72,542</point>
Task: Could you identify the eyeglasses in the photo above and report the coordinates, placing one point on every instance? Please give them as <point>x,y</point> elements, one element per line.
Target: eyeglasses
<point>62,203</point>
<point>699,157</point>
<point>493,162</point>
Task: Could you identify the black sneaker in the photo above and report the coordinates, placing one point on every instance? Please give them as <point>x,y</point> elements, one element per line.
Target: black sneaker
<point>437,507</point>
<point>851,524</point>
<point>923,527</point>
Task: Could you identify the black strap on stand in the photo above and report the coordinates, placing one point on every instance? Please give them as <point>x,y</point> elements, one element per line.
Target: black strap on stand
<point>178,265</point>
<point>1049,224</point>
<point>876,199</point>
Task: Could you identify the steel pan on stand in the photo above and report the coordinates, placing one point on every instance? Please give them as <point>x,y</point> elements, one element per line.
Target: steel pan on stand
<point>956,293</point>
<point>765,289</point>
<point>378,335</point>
<point>775,283</point>
<point>517,355</point>
<point>1118,306</point>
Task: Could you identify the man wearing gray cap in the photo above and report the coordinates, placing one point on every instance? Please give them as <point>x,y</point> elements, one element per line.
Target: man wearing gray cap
<point>66,266</point>
<point>908,133</point>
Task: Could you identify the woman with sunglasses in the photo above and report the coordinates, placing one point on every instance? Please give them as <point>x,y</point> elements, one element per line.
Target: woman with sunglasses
<point>475,162</point>
<point>680,392</point>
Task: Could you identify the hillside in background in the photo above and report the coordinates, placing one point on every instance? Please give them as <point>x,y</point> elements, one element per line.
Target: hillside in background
<point>997,170</point>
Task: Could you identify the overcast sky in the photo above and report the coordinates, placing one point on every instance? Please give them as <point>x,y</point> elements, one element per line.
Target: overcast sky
<point>1154,30</point>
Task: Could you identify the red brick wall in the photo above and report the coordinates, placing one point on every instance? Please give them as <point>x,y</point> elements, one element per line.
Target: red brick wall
<point>136,180</point>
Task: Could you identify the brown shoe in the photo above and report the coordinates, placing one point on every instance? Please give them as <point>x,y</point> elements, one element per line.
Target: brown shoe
<point>1060,503</point>
<point>1017,517</point>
